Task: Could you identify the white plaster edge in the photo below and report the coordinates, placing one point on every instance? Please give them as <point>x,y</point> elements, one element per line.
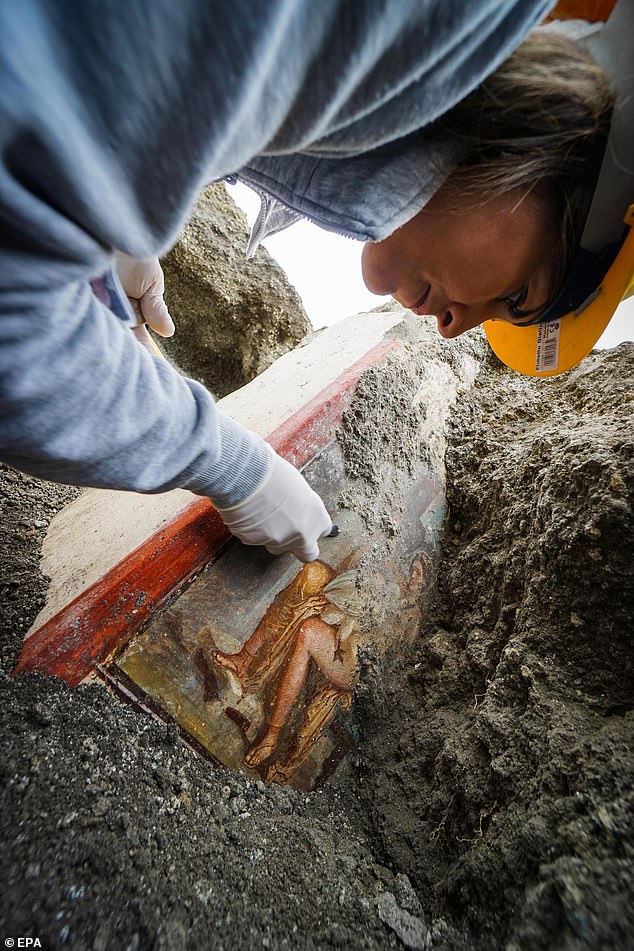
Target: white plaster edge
<point>91,535</point>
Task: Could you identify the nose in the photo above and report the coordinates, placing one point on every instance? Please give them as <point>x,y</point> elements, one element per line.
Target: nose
<point>455,319</point>
<point>376,269</point>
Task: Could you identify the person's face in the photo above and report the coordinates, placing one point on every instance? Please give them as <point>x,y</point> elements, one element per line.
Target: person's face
<point>465,267</point>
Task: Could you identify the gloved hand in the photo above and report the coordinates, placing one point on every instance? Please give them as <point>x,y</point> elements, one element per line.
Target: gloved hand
<point>144,285</point>
<point>283,513</point>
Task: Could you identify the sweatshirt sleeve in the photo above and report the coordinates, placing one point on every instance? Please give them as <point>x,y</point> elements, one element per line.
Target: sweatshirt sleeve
<point>82,402</point>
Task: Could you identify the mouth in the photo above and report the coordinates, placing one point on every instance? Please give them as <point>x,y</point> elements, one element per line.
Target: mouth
<point>418,307</point>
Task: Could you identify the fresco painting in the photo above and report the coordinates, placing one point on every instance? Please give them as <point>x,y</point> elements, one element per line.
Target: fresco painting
<point>258,660</point>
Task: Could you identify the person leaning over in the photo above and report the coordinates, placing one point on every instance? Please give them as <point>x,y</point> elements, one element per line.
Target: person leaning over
<point>466,159</point>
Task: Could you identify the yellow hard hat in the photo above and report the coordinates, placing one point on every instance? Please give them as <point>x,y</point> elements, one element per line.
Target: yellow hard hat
<point>602,273</point>
<point>555,345</point>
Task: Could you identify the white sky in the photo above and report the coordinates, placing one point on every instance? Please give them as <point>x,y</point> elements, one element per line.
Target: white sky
<point>325,269</point>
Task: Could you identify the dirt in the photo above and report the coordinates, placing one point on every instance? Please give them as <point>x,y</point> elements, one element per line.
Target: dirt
<point>498,772</point>
<point>489,804</point>
<point>26,507</point>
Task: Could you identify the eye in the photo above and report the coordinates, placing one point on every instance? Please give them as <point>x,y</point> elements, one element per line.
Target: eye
<point>514,303</point>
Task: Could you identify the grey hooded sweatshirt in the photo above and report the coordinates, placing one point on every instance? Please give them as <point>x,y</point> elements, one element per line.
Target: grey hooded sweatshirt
<point>114,115</point>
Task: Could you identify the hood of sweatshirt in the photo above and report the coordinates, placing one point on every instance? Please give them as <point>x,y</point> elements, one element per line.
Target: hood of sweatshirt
<point>365,197</point>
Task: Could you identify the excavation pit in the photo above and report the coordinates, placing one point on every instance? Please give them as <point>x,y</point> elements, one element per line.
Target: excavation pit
<point>488,800</point>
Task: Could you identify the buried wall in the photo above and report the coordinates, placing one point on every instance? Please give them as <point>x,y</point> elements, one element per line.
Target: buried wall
<point>486,801</point>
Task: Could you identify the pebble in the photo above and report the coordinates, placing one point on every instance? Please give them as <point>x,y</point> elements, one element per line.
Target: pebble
<point>41,714</point>
<point>220,812</point>
<point>75,892</point>
<point>102,938</point>
<point>382,873</point>
<point>408,928</point>
<point>101,807</point>
<point>405,894</point>
<point>90,746</point>
<point>204,891</point>
<point>238,804</point>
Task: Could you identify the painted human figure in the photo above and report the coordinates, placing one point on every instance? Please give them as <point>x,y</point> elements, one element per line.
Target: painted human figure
<point>330,642</point>
<point>261,658</point>
<point>312,620</point>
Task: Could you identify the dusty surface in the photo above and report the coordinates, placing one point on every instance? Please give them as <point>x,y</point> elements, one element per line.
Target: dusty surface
<point>124,520</point>
<point>489,805</point>
<point>498,770</point>
<point>26,507</point>
<point>233,316</point>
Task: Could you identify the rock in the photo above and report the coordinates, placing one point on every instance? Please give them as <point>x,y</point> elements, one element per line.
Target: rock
<point>405,894</point>
<point>172,935</point>
<point>101,807</point>
<point>41,714</point>
<point>233,317</point>
<point>102,938</point>
<point>409,929</point>
<point>238,804</point>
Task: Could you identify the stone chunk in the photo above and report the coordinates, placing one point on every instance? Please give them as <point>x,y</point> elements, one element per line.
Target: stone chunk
<point>409,929</point>
<point>233,317</point>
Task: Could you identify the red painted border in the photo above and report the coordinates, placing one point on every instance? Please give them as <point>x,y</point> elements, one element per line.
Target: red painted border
<point>113,609</point>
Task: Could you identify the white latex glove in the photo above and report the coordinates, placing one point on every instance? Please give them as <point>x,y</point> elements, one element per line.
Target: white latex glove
<point>283,513</point>
<point>144,285</point>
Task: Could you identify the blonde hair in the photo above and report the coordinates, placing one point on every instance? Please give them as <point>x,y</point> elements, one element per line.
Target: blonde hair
<point>540,124</point>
